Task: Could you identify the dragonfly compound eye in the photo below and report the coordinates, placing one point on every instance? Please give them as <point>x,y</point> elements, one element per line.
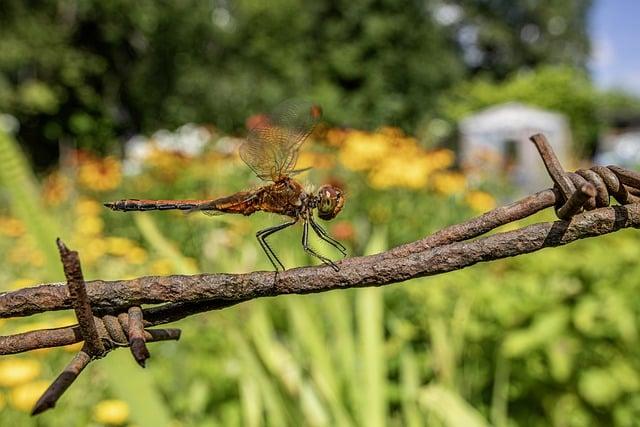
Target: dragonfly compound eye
<point>330,202</point>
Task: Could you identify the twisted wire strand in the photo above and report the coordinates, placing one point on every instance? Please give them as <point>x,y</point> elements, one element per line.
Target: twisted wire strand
<point>608,183</point>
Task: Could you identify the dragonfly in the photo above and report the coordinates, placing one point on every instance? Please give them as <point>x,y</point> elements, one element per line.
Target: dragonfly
<point>271,150</point>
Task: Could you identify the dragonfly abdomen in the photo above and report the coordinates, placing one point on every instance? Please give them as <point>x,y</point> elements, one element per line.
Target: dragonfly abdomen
<point>155,205</point>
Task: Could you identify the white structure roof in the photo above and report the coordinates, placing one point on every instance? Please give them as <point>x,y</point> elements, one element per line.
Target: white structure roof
<point>513,117</point>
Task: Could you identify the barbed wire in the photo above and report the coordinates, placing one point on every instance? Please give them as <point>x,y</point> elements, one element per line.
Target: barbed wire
<point>109,313</point>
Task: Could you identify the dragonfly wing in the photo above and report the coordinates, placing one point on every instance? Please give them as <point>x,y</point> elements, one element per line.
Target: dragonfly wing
<point>299,171</point>
<point>271,148</point>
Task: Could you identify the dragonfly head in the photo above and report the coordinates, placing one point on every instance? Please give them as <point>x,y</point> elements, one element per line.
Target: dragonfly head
<point>330,202</point>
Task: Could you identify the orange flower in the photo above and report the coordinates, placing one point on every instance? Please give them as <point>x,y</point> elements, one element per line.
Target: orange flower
<point>11,227</point>
<point>99,174</point>
<point>343,230</point>
<point>335,137</point>
<point>55,188</point>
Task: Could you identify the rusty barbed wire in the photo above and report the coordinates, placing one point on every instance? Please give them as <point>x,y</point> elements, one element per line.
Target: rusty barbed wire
<point>100,334</point>
<point>121,322</point>
<point>587,189</point>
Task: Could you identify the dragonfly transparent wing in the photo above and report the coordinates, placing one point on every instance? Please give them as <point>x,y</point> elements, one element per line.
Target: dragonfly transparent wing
<point>271,148</point>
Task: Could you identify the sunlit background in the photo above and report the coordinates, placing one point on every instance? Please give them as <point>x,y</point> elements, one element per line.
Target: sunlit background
<point>428,106</point>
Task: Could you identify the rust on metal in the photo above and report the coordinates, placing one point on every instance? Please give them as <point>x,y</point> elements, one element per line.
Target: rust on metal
<point>554,168</point>
<point>62,382</point>
<point>81,304</point>
<point>136,336</point>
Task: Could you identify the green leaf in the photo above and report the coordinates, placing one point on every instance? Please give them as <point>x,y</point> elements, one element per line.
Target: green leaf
<point>372,408</point>
<point>18,181</point>
<point>450,407</point>
<point>544,329</point>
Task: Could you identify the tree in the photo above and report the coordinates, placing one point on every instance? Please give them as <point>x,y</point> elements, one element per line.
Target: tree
<point>498,37</point>
<point>561,89</point>
<point>91,71</point>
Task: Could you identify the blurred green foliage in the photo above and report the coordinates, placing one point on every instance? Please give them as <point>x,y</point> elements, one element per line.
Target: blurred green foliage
<point>561,89</point>
<point>89,71</point>
<point>545,339</point>
<point>549,338</point>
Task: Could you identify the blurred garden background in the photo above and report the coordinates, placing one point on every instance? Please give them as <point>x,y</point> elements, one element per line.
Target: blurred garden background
<point>103,100</point>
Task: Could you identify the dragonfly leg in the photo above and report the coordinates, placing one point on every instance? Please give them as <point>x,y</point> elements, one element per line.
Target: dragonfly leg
<point>262,239</point>
<point>322,233</point>
<point>309,250</point>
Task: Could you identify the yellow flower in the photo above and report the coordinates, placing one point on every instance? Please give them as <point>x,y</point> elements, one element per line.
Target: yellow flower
<point>24,252</point>
<point>162,267</point>
<point>400,171</point>
<point>336,137</point>
<point>136,256</point>
<point>90,225</point>
<point>99,174</point>
<point>167,164</point>
<point>113,412</point>
<point>119,246</point>
<point>25,396</point>
<point>363,150</point>
<point>15,371</point>
<point>449,182</point>
<point>480,201</point>
<point>393,159</point>
<point>391,132</point>
<point>314,160</point>
<point>441,159</point>
<point>92,250</point>
<point>3,402</point>
<point>88,207</point>
<point>11,227</point>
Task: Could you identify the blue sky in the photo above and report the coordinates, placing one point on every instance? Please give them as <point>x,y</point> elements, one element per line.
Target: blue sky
<point>615,36</point>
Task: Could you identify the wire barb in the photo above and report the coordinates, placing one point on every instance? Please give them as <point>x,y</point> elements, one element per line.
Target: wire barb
<point>136,336</point>
<point>587,189</point>
<point>553,165</point>
<point>62,382</point>
<point>100,334</point>
<point>81,304</point>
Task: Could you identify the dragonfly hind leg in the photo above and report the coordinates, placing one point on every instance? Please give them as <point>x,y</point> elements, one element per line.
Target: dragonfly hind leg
<point>310,251</point>
<point>262,239</point>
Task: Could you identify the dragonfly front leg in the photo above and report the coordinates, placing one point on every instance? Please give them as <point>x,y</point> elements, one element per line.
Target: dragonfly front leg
<point>322,234</point>
<point>309,250</point>
<point>262,239</point>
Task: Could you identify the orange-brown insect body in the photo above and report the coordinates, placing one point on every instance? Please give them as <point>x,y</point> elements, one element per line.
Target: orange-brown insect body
<point>284,197</point>
<point>271,151</point>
